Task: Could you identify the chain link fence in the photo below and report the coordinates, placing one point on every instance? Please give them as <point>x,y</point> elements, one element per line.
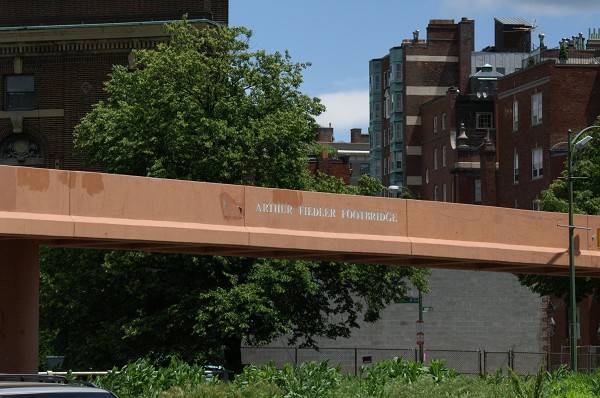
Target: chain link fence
<point>473,362</point>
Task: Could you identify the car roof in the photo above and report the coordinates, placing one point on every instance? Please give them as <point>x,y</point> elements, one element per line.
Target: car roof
<point>31,388</point>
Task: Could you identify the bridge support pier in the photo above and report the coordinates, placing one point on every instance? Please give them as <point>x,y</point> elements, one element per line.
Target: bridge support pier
<point>19,306</point>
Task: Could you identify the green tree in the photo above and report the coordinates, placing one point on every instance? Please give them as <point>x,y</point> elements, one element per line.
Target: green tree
<point>586,200</point>
<point>205,107</point>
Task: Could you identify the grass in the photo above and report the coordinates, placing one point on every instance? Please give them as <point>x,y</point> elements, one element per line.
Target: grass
<point>393,378</point>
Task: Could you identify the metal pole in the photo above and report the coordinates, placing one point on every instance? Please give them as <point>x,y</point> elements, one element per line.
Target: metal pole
<point>421,320</point>
<point>572,298</point>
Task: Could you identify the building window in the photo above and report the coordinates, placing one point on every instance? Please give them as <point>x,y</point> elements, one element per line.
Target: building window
<point>444,193</point>
<point>536,109</point>
<point>537,162</point>
<point>390,163</point>
<point>398,161</point>
<point>484,120</point>
<point>537,205</point>
<point>385,166</point>
<point>385,137</point>
<point>387,104</point>
<point>516,168</point>
<point>390,135</point>
<point>377,139</point>
<point>478,191</point>
<point>435,193</point>
<point>515,115</point>
<point>397,70</point>
<point>397,102</point>
<point>377,170</point>
<point>398,132</point>
<point>18,92</point>
<point>377,110</point>
<point>365,169</point>
<point>443,121</point>
<point>444,156</point>
<point>435,124</point>
<point>435,161</point>
<point>374,82</point>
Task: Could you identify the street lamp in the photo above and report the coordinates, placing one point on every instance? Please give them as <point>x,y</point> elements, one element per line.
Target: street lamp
<point>400,188</point>
<point>573,144</point>
<point>420,323</point>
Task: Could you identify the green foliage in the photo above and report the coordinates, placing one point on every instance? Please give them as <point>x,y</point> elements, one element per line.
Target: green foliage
<point>496,378</point>
<point>586,200</point>
<point>439,372</point>
<point>563,55</point>
<point>126,305</point>
<point>134,380</point>
<point>368,186</point>
<point>143,379</point>
<point>310,379</point>
<point>460,386</point>
<point>204,107</point>
<point>393,378</point>
<point>374,378</point>
<point>564,383</point>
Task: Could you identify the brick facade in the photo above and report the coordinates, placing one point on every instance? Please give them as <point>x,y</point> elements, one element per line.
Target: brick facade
<point>430,67</point>
<point>54,12</point>
<point>339,167</point>
<point>571,100</point>
<point>70,63</point>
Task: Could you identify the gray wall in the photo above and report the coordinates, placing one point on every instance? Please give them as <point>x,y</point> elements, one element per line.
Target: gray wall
<point>471,311</point>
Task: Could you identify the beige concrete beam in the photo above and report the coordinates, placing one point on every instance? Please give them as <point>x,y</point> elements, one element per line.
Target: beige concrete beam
<point>103,210</point>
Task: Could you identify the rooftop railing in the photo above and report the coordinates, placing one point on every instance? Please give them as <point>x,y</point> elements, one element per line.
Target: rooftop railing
<point>575,57</point>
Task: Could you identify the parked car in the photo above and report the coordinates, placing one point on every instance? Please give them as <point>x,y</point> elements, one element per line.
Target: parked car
<point>48,386</point>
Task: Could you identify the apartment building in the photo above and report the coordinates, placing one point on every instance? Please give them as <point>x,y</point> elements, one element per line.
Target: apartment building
<point>418,71</point>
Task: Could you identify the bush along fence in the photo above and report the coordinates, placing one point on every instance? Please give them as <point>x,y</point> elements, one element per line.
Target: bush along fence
<point>473,362</point>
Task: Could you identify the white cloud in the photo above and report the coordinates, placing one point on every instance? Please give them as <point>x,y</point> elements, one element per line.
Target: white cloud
<point>535,7</point>
<point>345,110</point>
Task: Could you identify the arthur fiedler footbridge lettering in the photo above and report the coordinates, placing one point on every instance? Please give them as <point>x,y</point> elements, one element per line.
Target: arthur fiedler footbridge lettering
<point>326,212</point>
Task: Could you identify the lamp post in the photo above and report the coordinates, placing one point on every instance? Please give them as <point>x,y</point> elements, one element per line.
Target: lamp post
<point>400,188</point>
<point>573,144</point>
<point>420,323</point>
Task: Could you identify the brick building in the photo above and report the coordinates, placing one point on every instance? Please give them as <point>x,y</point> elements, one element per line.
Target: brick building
<point>352,159</point>
<point>411,75</point>
<point>55,56</point>
<point>537,105</point>
<point>484,136</point>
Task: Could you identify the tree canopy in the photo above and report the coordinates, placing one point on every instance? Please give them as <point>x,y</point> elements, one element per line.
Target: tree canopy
<point>205,107</point>
<point>586,200</point>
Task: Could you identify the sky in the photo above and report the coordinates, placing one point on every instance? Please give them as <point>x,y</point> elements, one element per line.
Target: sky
<point>339,37</point>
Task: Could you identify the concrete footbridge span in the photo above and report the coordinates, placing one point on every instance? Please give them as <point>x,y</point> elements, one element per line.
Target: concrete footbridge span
<point>42,207</point>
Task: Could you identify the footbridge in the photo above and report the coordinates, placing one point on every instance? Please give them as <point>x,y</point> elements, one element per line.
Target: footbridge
<point>42,207</point>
